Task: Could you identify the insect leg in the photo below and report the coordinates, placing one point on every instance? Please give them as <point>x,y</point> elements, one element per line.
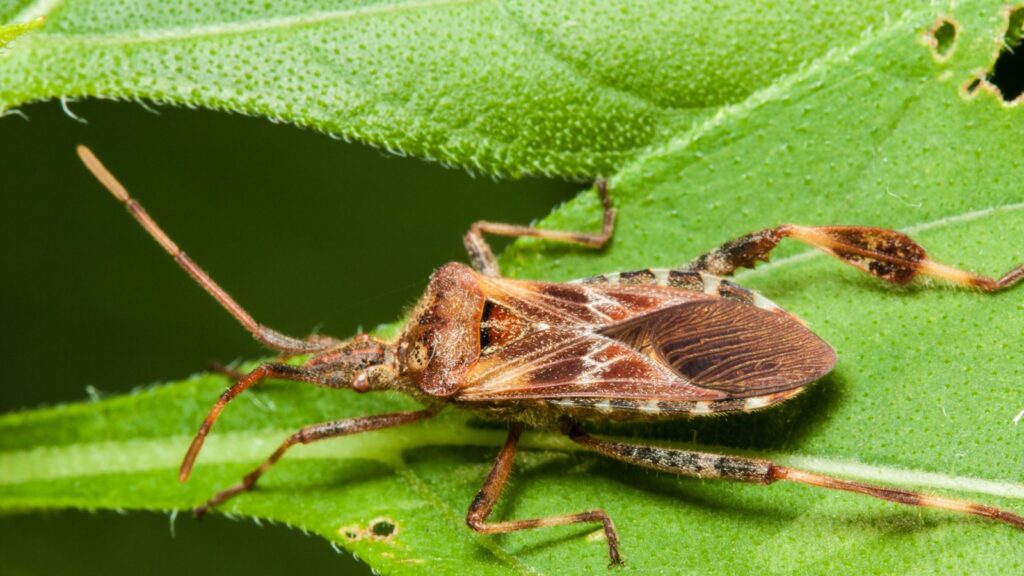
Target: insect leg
<point>262,372</point>
<point>483,258</point>
<point>268,337</point>
<point>313,433</point>
<point>704,465</point>
<point>489,493</point>
<point>886,254</point>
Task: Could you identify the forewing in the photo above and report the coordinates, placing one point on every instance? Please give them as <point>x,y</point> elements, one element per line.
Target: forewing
<point>728,346</point>
<point>703,350</point>
<point>555,364</point>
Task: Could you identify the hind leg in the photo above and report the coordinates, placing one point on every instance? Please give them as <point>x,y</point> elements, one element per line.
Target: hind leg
<point>758,471</point>
<point>886,254</point>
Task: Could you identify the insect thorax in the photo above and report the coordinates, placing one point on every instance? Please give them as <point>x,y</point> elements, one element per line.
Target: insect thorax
<point>442,339</point>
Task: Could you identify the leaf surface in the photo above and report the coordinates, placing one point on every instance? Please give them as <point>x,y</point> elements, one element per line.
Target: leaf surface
<point>876,131</point>
<point>569,88</point>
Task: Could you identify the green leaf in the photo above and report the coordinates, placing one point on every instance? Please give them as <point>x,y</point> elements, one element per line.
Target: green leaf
<point>876,132</point>
<point>8,33</point>
<point>569,88</point>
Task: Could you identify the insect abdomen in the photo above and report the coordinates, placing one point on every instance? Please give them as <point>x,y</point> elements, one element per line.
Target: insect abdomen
<point>638,409</point>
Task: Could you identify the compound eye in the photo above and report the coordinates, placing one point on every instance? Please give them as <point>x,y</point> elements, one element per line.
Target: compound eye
<point>361,383</point>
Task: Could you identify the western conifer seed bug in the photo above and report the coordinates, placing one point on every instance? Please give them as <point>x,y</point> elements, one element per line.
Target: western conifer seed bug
<point>626,346</point>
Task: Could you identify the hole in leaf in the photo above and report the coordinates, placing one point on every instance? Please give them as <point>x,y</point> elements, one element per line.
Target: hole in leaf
<point>942,38</point>
<point>378,529</point>
<point>382,528</point>
<point>1007,74</point>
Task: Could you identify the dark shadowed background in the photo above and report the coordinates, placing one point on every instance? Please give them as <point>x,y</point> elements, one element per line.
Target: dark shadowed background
<point>307,232</point>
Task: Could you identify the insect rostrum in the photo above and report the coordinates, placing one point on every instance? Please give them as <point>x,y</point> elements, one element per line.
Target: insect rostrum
<point>626,346</point>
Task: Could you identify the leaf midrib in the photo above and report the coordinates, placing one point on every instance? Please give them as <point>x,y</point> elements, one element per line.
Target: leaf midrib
<point>388,446</point>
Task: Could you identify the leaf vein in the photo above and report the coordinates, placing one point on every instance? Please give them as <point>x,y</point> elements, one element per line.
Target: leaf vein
<point>541,43</point>
<point>770,93</point>
<point>243,28</point>
<point>36,10</point>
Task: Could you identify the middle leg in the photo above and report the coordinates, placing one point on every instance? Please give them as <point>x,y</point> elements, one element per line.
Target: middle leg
<point>483,259</point>
<point>489,493</point>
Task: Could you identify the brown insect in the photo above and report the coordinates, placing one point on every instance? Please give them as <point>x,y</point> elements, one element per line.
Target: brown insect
<point>643,345</point>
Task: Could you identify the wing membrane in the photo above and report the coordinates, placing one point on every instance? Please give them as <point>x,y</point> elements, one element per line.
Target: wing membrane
<point>729,346</point>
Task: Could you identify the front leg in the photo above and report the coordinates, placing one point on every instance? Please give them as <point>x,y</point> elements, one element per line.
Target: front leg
<point>314,433</point>
<point>483,259</point>
<point>489,493</point>
<point>886,254</point>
